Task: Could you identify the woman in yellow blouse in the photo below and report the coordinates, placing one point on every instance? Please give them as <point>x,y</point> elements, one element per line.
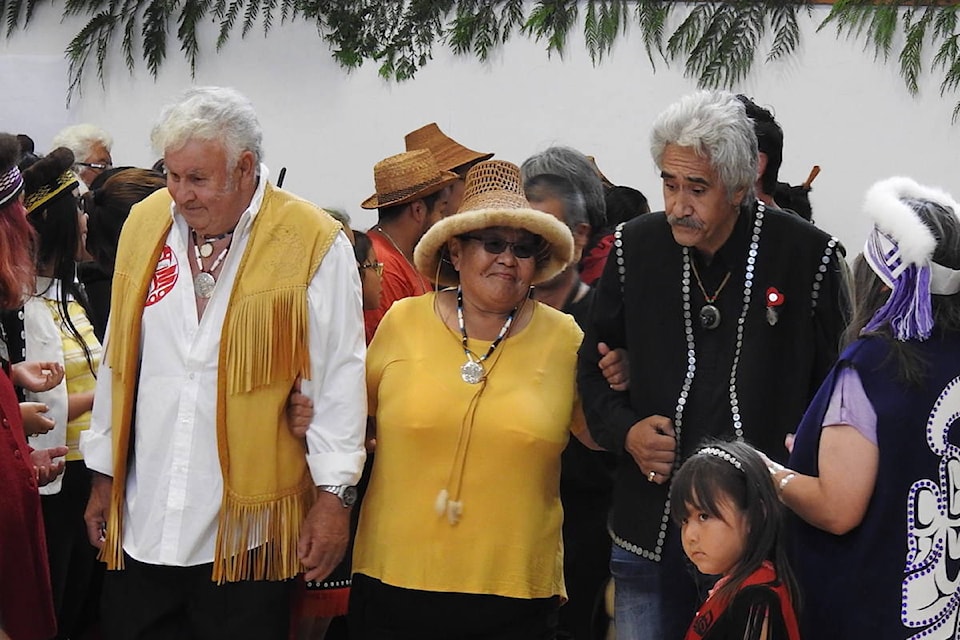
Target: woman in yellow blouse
<point>473,393</point>
<point>58,329</point>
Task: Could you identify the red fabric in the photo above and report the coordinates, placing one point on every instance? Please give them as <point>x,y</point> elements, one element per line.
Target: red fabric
<point>400,280</point>
<point>591,265</point>
<point>26,602</point>
<point>711,610</point>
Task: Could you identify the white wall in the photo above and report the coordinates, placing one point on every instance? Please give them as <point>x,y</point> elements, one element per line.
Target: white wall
<point>838,108</point>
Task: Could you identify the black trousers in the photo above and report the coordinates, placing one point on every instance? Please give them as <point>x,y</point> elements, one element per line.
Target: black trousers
<point>75,573</point>
<point>380,611</point>
<point>152,602</point>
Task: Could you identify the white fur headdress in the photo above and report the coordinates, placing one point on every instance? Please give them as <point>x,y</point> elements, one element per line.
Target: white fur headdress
<point>900,251</point>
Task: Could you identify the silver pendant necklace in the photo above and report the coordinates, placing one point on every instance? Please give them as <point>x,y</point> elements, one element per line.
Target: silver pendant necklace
<point>472,371</point>
<point>709,314</point>
<point>204,283</point>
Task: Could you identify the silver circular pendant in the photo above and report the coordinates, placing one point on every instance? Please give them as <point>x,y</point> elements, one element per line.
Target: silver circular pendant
<point>203,284</point>
<point>709,316</point>
<point>471,372</point>
<point>206,250</point>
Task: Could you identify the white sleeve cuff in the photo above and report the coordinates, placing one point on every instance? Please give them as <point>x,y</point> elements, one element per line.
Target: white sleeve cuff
<point>97,450</point>
<point>336,468</point>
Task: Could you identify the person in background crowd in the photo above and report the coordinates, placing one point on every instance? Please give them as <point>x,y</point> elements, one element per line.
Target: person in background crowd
<point>206,510</point>
<point>450,156</point>
<point>411,196</point>
<point>737,310</point>
<point>91,147</point>
<point>460,528</point>
<point>58,329</point>
<point>586,477</point>
<point>624,204</point>
<point>107,206</point>
<point>874,469</point>
<point>26,599</point>
<point>578,169</point>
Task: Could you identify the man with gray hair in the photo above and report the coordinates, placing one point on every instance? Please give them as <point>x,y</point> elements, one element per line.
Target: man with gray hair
<point>91,148</point>
<point>731,312</point>
<point>227,293</point>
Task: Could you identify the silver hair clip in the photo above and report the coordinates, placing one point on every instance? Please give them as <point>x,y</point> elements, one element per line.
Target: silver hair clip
<point>720,453</point>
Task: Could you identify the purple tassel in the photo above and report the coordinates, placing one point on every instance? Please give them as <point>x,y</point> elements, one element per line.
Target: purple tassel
<point>908,310</point>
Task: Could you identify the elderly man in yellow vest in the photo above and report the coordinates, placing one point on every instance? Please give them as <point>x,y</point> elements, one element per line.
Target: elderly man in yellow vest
<point>227,291</point>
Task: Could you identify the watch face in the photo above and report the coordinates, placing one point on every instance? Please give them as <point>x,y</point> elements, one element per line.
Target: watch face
<point>349,496</point>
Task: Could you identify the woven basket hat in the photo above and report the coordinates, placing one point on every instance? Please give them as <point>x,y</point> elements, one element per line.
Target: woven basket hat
<point>406,177</point>
<point>493,198</point>
<point>449,153</point>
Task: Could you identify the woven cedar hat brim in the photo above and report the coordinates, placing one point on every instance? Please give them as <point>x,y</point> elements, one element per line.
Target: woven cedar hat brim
<point>407,177</point>
<point>430,254</point>
<point>449,153</point>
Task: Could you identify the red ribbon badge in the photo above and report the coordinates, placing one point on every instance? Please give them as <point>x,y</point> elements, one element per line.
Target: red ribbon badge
<point>774,297</point>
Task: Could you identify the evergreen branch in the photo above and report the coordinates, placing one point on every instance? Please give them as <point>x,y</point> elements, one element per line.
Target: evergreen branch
<point>591,31</point>
<point>250,17</point>
<point>652,17</point>
<point>786,30</point>
<point>79,49</point>
<point>227,22</point>
<point>154,33</point>
<point>193,12</point>
<point>912,53</point>
<point>552,18</point>
<point>12,11</point>
<point>689,32</point>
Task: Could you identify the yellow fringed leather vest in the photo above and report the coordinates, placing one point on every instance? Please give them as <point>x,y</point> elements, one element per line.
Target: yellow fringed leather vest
<point>263,348</point>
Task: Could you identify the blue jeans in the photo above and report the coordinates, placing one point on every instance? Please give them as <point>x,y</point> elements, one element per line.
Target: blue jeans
<point>656,600</point>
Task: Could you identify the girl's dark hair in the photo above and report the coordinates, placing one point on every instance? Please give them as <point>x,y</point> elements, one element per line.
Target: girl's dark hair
<point>16,237</point>
<point>58,235</point>
<point>870,293</point>
<point>361,246</point>
<point>705,481</point>
<point>108,206</point>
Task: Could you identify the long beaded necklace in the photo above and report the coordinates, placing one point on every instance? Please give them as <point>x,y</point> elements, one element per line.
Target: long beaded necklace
<point>709,314</point>
<point>382,231</point>
<point>472,370</point>
<point>205,282</point>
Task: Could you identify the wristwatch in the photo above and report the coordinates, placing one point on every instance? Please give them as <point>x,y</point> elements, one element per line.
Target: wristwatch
<point>347,493</point>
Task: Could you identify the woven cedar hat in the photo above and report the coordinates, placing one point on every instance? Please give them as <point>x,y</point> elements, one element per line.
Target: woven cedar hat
<point>449,153</point>
<point>406,177</point>
<point>493,198</point>
<point>49,178</point>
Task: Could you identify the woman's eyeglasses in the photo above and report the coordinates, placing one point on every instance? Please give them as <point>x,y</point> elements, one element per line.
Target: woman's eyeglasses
<point>376,266</point>
<point>521,250</point>
<point>95,165</point>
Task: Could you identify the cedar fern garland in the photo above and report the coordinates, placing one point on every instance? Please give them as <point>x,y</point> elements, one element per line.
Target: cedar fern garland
<point>716,42</point>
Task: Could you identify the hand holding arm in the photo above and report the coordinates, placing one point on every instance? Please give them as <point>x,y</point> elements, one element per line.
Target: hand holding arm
<point>653,444</point>
<point>299,411</point>
<point>615,365</point>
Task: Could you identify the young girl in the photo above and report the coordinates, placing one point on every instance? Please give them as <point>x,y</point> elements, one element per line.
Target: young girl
<point>731,525</point>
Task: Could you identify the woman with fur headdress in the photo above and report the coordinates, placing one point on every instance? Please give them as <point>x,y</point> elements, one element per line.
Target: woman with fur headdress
<point>876,464</point>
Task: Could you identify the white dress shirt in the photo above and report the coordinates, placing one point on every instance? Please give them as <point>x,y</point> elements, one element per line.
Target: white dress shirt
<point>174,482</point>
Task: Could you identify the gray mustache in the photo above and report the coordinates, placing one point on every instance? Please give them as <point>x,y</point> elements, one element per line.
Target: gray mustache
<point>690,223</point>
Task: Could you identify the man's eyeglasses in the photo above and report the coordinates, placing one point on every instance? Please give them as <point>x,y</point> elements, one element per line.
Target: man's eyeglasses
<point>521,250</point>
<point>95,165</point>
<point>376,266</point>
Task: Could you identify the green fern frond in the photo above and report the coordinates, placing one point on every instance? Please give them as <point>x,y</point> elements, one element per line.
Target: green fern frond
<point>250,17</point>
<point>652,17</point>
<point>129,34</point>
<point>591,29</point>
<point>193,12</point>
<point>154,33</point>
<point>227,22</point>
<point>12,12</point>
<point>79,49</point>
<point>786,31</point>
<point>911,56</point>
<point>690,31</point>
<point>552,19</point>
